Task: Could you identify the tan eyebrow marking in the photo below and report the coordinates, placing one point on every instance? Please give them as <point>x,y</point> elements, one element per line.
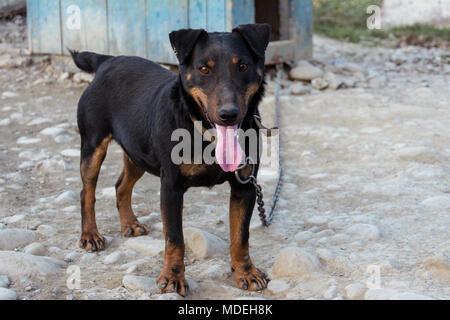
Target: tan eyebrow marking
<point>188,77</point>
<point>235,60</point>
<point>210,63</point>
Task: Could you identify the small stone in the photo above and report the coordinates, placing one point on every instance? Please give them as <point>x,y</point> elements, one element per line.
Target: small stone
<point>108,192</point>
<point>16,265</point>
<point>46,231</point>
<point>293,262</point>
<point>146,245</point>
<point>299,89</point>
<point>319,84</point>
<point>203,244</point>
<point>83,77</point>
<point>72,256</point>
<point>13,219</point>
<point>113,257</point>
<point>355,291</point>
<point>147,284</point>
<point>364,231</point>
<point>67,197</point>
<point>305,71</point>
<point>334,261</point>
<point>11,239</point>
<point>303,236</point>
<point>7,294</point>
<point>52,131</point>
<point>330,293</point>
<point>35,249</point>
<point>4,281</point>
<point>71,153</point>
<point>438,265</point>
<point>438,202</point>
<point>317,220</point>
<point>277,286</point>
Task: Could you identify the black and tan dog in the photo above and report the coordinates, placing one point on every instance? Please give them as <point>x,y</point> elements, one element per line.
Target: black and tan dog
<point>139,104</point>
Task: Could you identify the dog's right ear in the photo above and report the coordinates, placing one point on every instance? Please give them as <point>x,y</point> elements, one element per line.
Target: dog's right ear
<point>183,42</point>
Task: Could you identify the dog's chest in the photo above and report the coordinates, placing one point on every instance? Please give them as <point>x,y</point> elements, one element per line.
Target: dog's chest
<point>202,174</point>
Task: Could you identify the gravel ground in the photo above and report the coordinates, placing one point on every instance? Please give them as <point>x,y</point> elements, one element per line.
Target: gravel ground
<point>363,214</point>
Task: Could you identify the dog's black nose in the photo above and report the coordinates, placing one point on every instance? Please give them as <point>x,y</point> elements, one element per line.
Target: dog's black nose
<point>228,114</point>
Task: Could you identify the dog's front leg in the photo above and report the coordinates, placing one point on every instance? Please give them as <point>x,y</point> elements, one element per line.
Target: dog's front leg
<point>172,277</point>
<point>242,202</point>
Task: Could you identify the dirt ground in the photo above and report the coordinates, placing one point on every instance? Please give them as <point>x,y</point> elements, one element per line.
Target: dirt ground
<point>366,184</point>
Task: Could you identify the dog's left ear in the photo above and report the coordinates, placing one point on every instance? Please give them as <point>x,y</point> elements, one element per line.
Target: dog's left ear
<point>257,37</point>
<point>183,42</point>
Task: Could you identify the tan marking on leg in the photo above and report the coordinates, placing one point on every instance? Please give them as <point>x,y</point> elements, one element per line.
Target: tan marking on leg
<point>246,275</point>
<point>89,170</point>
<point>124,190</point>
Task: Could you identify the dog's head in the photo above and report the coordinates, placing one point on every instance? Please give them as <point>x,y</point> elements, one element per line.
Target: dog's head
<point>222,72</point>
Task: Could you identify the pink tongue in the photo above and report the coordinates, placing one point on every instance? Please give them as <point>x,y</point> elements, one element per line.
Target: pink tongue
<point>228,151</point>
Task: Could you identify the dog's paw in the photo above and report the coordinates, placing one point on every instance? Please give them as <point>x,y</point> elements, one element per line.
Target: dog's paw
<point>250,278</point>
<point>92,241</point>
<point>169,282</point>
<point>134,230</point>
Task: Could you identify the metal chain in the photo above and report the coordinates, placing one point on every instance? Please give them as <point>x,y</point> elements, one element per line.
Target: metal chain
<point>267,220</point>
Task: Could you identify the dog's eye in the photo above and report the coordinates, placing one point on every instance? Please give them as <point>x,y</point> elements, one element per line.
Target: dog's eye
<point>243,67</point>
<point>204,70</point>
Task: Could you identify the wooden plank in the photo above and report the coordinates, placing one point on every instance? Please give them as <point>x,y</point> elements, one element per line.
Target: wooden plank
<point>84,25</point>
<point>216,16</point>
<point>197,14</point>
<point>280,51</point>
<point>44,26</point>
<point>243,12</point>
<point>127,27</point>
<point>164,17</point>
<point>301,28</point>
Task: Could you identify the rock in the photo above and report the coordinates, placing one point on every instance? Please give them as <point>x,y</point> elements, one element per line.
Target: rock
<point>17,265</point>
<point>438,202</point>
<point>334,82</point>
<point>330,293</point>
<point>364,231</point>
<point>438,266</point>
<point>355,291</point>
<point>140,283</point>
<point>7,294</point>
<point>108,192</point>
<point>9,62</point>
<point>305,71</point>
<point>319,84</point>
<point>203,244</point>
<point>71,153</point>
<point>67,197</point>
<point>13,219</point>
<point>72,256</point>
<point>293,262</point>
<point>35,249</point>
<point>146,245</point>
<point>336,262</point>
<point>11,239</point>
<point>26,141</point>
<point>46,231</point>
<point>303,236</point>
<point>299,89</point>
<point>277,286</point>
<point>52,131</point>
<point>317,220</point>
<point>80,77</point>
<point>411,296</point>
<point>113,257</point>
<point>5,122</point>
<point>50,166</point>
<point>4,281</point>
